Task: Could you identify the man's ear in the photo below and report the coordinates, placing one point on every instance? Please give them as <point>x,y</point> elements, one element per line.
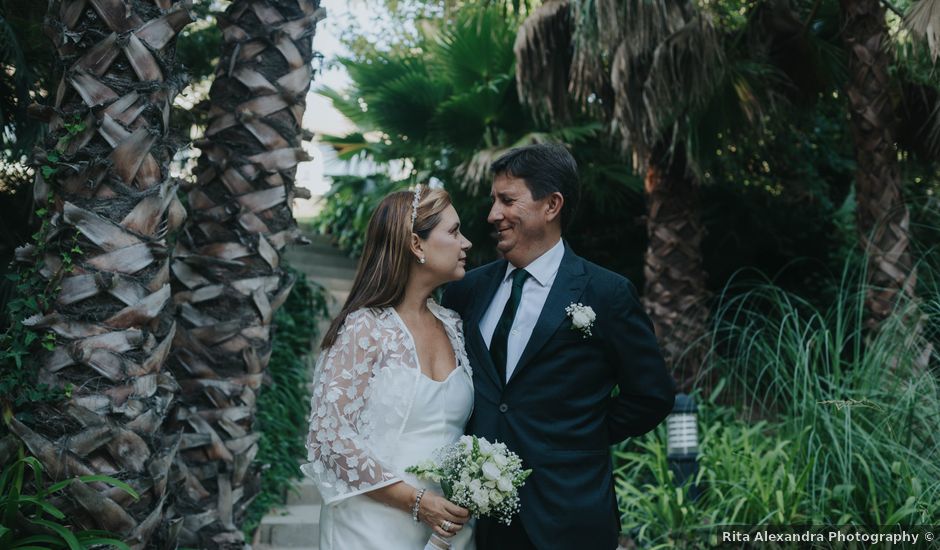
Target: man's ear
<point>553,206</point>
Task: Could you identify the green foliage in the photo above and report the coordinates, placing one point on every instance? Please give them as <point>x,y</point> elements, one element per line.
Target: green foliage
<point>283,404</point>
<point>198,47</point>
<point>825,426</point>
<point>26,65</point>
<point>446,106</point>
<point>349,205</point>
<point>30,520</point>
<point>783,204</point>
<point>31,297</point>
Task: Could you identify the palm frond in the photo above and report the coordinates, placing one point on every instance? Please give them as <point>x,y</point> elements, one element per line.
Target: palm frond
<point>400,92</point>
<point>923,18</point>
<point>475,172</point>
<point>933,131</point>
<point>642,24</point>
<point>589,75</point>
<point>464,117</point>
<point>475,49</point>
<point>656,83</point>
<point>408,103</point>
<point>543,51</point>
<point>350,107</point>
<point>354,146</point>
<point>741,104</point>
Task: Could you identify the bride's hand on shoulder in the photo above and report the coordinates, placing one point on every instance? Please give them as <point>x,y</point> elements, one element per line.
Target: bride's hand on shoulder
<point>438,513</point>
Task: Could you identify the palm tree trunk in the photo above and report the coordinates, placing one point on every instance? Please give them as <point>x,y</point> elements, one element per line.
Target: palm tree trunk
<point>882,216</point>
<point>675,296</point>
<point>104,258</point>
<point>227,279</point>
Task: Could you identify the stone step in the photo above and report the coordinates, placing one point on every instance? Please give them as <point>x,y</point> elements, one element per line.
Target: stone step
<point>304,492</point>
<point>334,258</point>
<point>333,284</point>
<point>339,299</point>
<point>314,269</point>
<point>293,527</point>
<point>319,244</point>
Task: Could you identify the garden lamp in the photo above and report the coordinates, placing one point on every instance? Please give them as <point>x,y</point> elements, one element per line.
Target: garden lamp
<point>682,441</point>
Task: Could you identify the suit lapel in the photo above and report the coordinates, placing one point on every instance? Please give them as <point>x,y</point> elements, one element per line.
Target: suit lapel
<point>487,288</point>
<point>568,286</point>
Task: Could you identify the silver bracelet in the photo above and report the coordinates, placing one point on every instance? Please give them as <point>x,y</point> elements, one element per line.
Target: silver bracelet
<point>417,505</point>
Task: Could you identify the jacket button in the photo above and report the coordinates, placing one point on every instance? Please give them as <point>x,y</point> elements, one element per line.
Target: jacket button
<point>503,407</point>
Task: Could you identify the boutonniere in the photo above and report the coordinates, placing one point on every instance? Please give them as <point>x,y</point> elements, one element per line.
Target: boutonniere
<point>582,318</point>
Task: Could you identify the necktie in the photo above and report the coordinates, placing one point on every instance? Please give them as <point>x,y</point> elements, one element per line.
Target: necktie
<point>501,334</point>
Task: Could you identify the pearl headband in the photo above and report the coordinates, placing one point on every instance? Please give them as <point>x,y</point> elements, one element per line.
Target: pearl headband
<point>414,205</point>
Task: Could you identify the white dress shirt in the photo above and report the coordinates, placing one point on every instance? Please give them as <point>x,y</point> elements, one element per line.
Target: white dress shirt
<point>534,293</point>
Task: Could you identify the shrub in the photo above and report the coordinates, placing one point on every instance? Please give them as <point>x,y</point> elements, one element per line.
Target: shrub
<point>29,517</point>
<point>827,424</point>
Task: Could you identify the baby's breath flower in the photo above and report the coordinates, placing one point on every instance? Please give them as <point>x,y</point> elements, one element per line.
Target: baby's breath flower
<point>481,476</point>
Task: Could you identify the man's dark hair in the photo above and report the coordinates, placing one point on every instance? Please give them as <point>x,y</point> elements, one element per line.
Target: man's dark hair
<point>545,168</point>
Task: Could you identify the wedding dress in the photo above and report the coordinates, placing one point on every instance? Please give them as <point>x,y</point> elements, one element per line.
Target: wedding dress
<point>373,414</point>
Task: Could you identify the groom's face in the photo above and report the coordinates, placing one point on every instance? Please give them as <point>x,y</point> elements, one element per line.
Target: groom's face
<point>519,220</point>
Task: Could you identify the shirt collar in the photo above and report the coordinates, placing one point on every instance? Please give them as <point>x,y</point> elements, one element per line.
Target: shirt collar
<point>544,268</point>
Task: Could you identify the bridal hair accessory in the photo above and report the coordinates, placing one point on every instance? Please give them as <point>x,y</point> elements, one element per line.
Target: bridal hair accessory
<point>414,205</point>
<point>582,318</point>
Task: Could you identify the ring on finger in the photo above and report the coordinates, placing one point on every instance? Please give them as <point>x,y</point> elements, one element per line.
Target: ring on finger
<point>446,525</point>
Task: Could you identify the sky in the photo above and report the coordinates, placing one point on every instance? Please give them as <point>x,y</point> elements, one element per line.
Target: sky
<point>320,116</point>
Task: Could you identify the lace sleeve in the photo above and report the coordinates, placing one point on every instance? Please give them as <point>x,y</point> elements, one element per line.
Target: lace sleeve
<point>338,443</point>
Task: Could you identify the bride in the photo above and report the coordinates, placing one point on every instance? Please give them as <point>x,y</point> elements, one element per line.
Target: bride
<point>393,384</point>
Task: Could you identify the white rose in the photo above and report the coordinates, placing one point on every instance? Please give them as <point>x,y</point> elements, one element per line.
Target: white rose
<point>480,498</point>
<point>504,484</point>
<point>500,460</point>
<point>491,470</point>
<point>580,319</point>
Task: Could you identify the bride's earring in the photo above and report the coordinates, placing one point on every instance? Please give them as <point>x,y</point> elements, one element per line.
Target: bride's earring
<point>421,260</point>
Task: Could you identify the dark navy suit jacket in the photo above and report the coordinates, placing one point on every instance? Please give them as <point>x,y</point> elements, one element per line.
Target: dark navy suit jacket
<point>557,411</point>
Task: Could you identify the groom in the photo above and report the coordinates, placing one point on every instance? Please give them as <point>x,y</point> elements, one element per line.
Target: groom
<point>544,377</point>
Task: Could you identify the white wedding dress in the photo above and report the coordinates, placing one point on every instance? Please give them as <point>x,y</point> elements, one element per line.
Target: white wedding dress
<point>373,414</point>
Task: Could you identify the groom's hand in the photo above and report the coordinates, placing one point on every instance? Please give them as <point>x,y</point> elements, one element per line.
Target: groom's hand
<point>438,513</point>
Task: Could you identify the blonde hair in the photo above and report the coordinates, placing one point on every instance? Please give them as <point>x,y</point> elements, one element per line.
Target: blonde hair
<point>387,261</point>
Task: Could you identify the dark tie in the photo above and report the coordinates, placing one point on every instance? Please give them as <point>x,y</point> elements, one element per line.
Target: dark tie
<point>501,335</point>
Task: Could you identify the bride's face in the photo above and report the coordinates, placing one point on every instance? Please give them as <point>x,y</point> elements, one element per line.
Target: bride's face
<point>445,249</point>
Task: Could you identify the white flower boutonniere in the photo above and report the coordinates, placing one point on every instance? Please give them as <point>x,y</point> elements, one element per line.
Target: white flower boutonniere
<point>582,318</point>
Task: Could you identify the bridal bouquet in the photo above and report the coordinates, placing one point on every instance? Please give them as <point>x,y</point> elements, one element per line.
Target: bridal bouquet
<point>482,477</point>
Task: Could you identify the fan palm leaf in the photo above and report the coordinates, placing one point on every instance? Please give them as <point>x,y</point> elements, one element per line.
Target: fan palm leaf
<point>923,19</point>
<point>475,49</point>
